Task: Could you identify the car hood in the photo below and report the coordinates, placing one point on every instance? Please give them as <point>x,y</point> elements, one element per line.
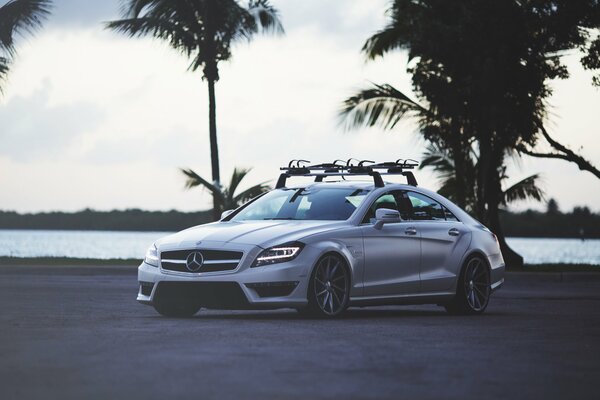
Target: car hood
<point>259,233</point>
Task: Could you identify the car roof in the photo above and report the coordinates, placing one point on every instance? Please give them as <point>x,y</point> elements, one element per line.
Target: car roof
<point>352,184</point>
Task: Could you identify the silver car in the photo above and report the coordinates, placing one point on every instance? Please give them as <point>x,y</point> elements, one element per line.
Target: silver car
<point>325,246</point>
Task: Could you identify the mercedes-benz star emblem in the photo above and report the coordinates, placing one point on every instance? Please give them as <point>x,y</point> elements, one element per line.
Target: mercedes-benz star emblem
<point>194,261</point>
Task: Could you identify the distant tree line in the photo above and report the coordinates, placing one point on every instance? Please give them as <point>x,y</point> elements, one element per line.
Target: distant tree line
<point>550,223</point>
<point>579,223</point>
<point>117,220</point>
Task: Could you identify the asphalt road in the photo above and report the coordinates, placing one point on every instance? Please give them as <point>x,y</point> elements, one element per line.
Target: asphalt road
<point>78,333</point>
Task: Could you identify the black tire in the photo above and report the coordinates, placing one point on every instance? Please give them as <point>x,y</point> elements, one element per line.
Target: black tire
<point>176,307</point>
<point>329,288</point>
<point>472,288</point>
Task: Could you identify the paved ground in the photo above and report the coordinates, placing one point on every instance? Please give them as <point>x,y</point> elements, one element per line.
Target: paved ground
<point>77,332</point>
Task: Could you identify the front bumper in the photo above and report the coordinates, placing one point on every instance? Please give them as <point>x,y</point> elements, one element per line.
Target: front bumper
<point>273,286</point>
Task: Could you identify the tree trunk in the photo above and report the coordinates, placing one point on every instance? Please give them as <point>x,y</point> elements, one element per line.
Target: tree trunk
<point>512,259</point>
<point>489,196</point>
<point>214,148</point>
<point>483,177</point>
<point>458,155</point>
<point>493,197</point>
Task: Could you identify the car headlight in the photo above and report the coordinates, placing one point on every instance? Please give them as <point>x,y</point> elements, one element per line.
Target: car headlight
<point>278,254</point>
<point>152,256</point>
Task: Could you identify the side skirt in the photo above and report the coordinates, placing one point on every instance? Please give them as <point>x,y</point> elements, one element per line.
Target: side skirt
<point>425,298</point>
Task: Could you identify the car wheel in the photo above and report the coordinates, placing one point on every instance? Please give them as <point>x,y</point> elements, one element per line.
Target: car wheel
<point>176,307</point>
<point>472,288</point>
<point>329,288</point>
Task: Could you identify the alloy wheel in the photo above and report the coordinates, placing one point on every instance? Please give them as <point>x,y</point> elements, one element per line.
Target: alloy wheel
<point>477,284</point>
<point>331,285</point>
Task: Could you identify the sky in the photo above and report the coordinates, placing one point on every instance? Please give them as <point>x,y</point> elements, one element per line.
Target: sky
<point>93,119</point>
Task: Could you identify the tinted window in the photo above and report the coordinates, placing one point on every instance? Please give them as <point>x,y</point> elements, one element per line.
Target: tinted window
<point>425,208</point>
<point>449,215</point>
<point>384,201</point>
<point>304,204</point>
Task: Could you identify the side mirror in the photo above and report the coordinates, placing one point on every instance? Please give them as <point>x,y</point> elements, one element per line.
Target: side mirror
<point>226,213</point>
<point>386,216</point>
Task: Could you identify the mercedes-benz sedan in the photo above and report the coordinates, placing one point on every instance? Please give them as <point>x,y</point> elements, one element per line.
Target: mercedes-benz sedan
<point>326,246</point>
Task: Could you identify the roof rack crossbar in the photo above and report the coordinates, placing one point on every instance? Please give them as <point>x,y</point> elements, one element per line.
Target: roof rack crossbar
<point>338,168</point>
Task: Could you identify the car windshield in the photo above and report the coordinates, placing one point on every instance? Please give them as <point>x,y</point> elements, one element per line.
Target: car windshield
<point>335,204</point>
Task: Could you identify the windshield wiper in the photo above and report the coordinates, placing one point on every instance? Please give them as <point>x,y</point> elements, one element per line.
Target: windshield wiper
<point>288,218</point>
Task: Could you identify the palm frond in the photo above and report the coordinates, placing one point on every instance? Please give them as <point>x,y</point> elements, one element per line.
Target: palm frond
<point>266,16</point>
<point>194,180</point>
<point>251,193</point>
<point>382,42</point>
<point>4,68</point>
<point>236,177</point>
<point>203,30</point>
<point>448,187</point>
<point>134,8</point>
<point>525,189</point>
<point>225,196</point>
<point>438,159</point>
<point>19,17</point>
<point>175,34</point>
<point>381,105</point>
<point>405,18</point>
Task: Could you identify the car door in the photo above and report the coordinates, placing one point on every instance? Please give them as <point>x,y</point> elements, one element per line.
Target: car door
<point>392,253</point>
<point>444,240</point>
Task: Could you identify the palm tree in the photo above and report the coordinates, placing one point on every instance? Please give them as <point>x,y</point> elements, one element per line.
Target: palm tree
<point>226,197</point>
<point>437,159</point>
<point>204,31</point>
<point>480,69</point>
<point>385,106</point>
<point>528,188</point>
<point>18,17</point>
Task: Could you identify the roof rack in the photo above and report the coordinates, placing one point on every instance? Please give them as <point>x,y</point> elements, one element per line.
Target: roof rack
<point>348,168</point>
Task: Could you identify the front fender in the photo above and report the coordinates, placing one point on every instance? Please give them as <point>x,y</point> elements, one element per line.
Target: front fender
<point>352,253</point>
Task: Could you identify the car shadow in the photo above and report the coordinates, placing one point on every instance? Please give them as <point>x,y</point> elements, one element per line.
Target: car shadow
<point>350,314</point>
<point>387,312</point>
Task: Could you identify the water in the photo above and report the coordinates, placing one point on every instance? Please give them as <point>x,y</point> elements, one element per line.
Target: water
<point>555,251</point>
<point>127,245</point>
<point>76,244</point>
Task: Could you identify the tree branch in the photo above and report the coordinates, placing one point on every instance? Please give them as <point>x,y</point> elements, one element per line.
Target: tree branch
<point>563,154</point>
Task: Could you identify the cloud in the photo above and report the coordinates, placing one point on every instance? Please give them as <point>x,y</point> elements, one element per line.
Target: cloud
<point>103,121</point>
<point>348,18</point>
<point>34,130</point>
<point>82,13</point>
<point>348,22</point>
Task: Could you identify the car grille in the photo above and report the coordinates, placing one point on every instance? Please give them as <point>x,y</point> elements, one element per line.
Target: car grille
<point>212,260</point>
<point>217,295</point>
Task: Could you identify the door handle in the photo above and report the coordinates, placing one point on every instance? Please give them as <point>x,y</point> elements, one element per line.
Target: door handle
<point>410,231</point>
<point>453,232</point>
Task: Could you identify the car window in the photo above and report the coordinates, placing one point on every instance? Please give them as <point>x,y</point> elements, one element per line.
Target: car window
<point>449,215</point>
<point>425,208</point>
<point>311,203</point>
<point>387,200</point>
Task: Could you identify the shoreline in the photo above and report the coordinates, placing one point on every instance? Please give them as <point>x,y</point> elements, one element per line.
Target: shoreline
<point>170,231</point>
<point>65,261</point>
